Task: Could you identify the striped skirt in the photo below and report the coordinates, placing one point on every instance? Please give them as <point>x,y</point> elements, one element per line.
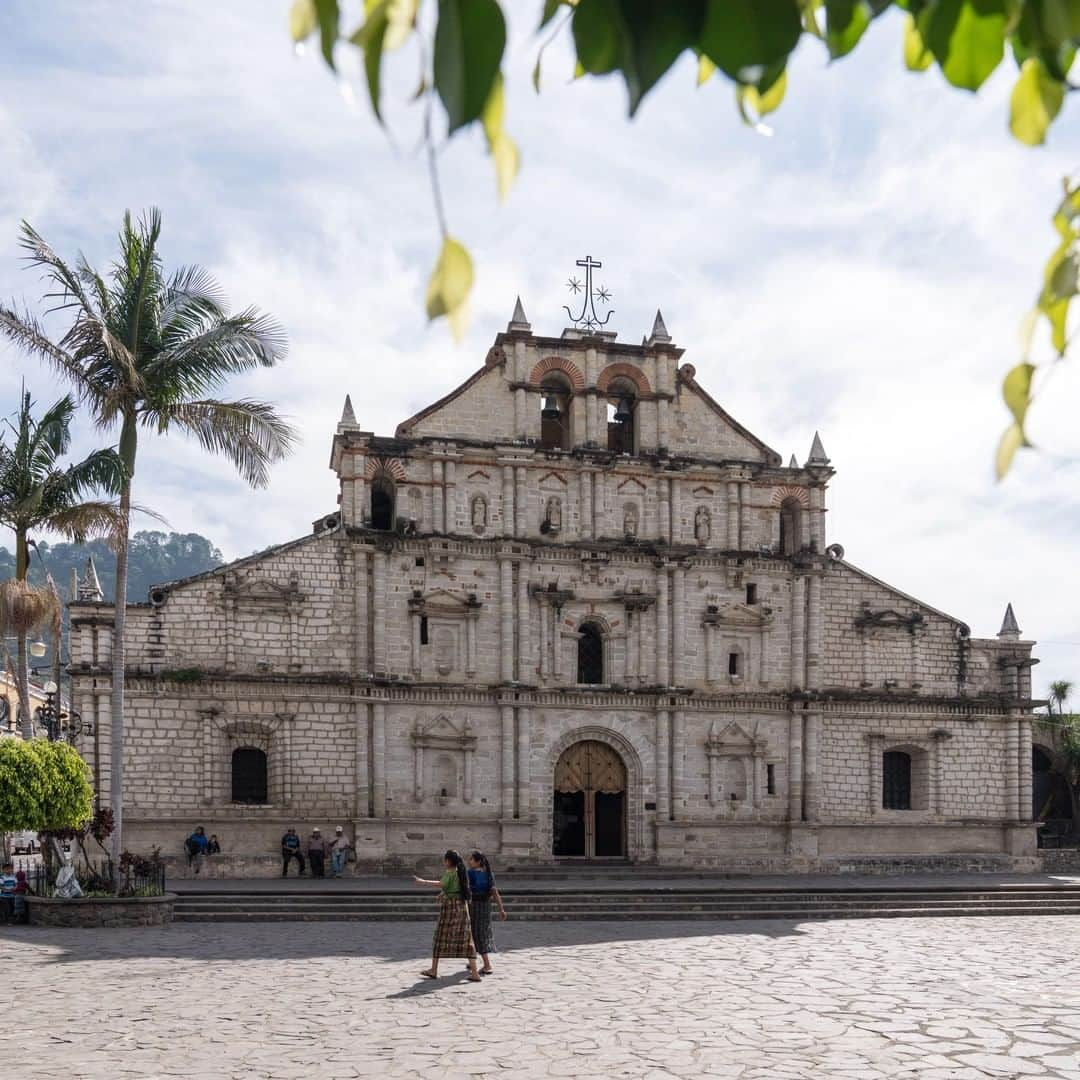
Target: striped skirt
<point>480,913</point>
<point>453,934</point>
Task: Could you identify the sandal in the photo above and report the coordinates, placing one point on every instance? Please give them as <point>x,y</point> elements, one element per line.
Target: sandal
<point>475,978</point>
<point>429,975</point>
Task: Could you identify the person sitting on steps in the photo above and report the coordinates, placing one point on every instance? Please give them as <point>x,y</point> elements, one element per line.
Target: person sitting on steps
<point>290,849</point>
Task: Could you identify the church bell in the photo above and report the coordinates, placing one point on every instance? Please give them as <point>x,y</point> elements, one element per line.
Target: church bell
<point>623,413</point>
<point>550,410</point>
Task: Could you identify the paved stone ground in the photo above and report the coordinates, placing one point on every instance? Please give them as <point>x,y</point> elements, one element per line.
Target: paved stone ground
<point>933,999</point>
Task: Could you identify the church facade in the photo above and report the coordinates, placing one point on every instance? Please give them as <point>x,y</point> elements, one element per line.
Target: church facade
<point>571,611</point>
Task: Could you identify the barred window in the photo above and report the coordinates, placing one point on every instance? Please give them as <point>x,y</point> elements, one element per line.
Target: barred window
<point>249,775</point>
<point>896,780</point>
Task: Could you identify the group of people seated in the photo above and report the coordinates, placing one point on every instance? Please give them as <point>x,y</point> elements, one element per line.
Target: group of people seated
<point>313,852</point>
<point>14,888</point>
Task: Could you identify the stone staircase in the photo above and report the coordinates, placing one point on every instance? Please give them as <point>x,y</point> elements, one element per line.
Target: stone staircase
<point>644,901</point>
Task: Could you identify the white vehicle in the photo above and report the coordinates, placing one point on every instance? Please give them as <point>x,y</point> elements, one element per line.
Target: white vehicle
<point>25,842</point>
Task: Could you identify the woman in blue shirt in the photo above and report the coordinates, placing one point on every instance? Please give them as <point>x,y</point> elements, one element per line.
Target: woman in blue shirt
<point>482,887</point>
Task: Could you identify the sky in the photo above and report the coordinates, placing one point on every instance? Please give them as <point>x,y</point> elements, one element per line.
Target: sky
<point>861,272</point>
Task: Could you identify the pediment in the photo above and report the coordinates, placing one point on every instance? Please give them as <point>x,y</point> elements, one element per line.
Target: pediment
<point>553,480</point>
<point>631,486</point>
<point>442,733</point>
<point>888,618</point>
<point>446,603</point>
<point>753,616</point>
<point>255,590</point>
<point>732,739</point>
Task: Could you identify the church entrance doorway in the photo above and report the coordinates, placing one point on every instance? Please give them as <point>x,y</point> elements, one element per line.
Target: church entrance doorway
<point>589,811</point>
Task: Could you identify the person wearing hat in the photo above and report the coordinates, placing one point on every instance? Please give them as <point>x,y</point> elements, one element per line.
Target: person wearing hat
<point>339,852</point>
<point>316,850</point>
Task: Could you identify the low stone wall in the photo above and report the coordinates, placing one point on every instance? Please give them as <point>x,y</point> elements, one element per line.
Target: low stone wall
<point>88,911</point>
<point>1059,860</point>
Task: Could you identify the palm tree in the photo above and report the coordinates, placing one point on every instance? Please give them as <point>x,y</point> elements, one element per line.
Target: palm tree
<point>37,494</point>
<point>1059,694</point>
<point>145,351</point>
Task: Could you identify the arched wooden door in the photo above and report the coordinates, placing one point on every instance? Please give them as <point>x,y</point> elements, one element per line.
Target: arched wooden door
<point>589,803</point>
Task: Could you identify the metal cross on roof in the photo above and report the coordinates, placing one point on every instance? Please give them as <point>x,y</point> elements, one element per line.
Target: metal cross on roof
<point>588,318</point>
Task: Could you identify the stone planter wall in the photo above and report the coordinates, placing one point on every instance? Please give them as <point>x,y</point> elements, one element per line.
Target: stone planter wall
<point>1060,860</point>
<point>101,911</point>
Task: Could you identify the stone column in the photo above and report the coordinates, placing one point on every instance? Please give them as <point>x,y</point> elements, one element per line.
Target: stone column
<point>506,619</point>
<point>744,516</point>
<point>450,517</point>
<point>508,500</point>
<point>817,523</point>
<point>814,633</point>
<point>556,641</point>
<point>795,766</point>
<point>586,512</point>
<point>507,768</point>
<point>470,645</point>
<point>876,766</point>
<point>437,497</point>
<point>812,766</point>
<point>523,770</point>
<point>361,779</point>
<point>643,644</point>
<point>521,502</point>
<point>361,642</point>
<point>348,489</point>
<point>414,625</point>
<point>663,423</point>
<point>663,765</point>
<point>590,420</point>
<point>676,511</point>
<point>418,773</point>
<point>519,413</point>
<point>1025,769</point>
<point>524,643</point>
<point>663,628</point>
<point>798,632</point>
<point>545,644</point>
<point>678,762</point>
<point>378,758</point>
<point>599,504</point>
<point>731,516</point>
<point>1012,767</point>
<point>678,619</point>
<point>663,524</point>
<point>380,612</point>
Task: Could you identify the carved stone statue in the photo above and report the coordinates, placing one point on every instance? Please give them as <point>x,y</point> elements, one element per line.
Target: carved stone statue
<point>553,514</point>
<point>479,512</point>
<point>702,525</point>
<point>630,522</point>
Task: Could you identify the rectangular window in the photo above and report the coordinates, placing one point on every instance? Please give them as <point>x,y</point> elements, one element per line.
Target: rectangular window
<point>896,780</point>
<point>419,560</point>
<point>733,663</point>
<point>751,594</point>
<point>423,630</point>
<point>770,779</point>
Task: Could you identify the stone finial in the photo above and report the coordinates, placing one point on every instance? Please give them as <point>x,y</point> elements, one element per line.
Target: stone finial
<point>1010,630</point>
<point>73,586</point>
<point>659,335</point>
<point>792,464</point>
<point>348,417</point>
<point>817,452</point>
<point>518,322</point>
<point>90,591</point>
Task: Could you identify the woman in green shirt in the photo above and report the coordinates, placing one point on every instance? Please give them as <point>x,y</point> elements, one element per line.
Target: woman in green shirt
<point>453,932</point>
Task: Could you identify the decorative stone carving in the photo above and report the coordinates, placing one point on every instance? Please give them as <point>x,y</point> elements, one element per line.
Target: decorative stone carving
<point>553,514</point>
<point>736,764</point>
<point>479,513</point>
<point>630,522</point>
<point>442,734</point>
<point>702,525</point>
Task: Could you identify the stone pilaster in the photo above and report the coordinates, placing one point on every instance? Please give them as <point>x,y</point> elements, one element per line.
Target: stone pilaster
<point>508,500</point>
<point>378,759</point>
<point>678,626</point>
<point>798,632</point>
<point>525,671</point>
<point>663,765</point>
<point>663,628</point>
<point>731,515</point>
<point>437,506</point>
<point>795,765</point>
<point>524,771</point>
<point>812,766</point>
<point>506,618</point>
<point>506,771</point>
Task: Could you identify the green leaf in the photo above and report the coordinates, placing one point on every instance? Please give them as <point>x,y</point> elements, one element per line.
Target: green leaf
<point>502,148</point>
<point>1057,313</point>
<point>1036,100</point>
<point>639,38</point>
<point>451,280</point>
<point>917,56</point>
<point>706,69</point>
<point>744,37</point>
<point>469,41</point>
<point>1068,211</point>
<point>1016,390</point>
<point>967,38</point>
<point>302,19</point>
<point>327,13</point>
<point>371,39</point>
<point>1010,442</point>
<point>1062,283</point>
<point>846,22</point>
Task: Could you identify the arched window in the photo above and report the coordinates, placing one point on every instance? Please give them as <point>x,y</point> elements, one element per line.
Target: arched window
<point>555,410</point>
<point>896,780</point>
<point>248,775</point>
<point>791,540</point>
<point>621,412</point>
<point>590,654</point>
<point>383,494</point>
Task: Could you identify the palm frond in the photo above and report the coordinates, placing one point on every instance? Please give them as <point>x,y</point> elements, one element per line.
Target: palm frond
<point>69,290</point>
<point>192,283</point>
<point>251,434</point>
<point>25,607</point>
<point>86,520</point>
<point>52,433</point>
<point>25,331</point>
<point>103,470</point>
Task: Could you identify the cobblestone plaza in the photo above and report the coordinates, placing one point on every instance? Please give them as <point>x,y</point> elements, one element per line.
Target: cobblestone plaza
<point>933,999</point>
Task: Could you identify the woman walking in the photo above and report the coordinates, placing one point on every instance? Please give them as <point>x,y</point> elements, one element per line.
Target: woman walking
<point>453,934</point>
<point>483,890</point>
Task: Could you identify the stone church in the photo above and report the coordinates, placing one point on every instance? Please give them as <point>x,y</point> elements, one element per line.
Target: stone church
<point>572,610</point>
